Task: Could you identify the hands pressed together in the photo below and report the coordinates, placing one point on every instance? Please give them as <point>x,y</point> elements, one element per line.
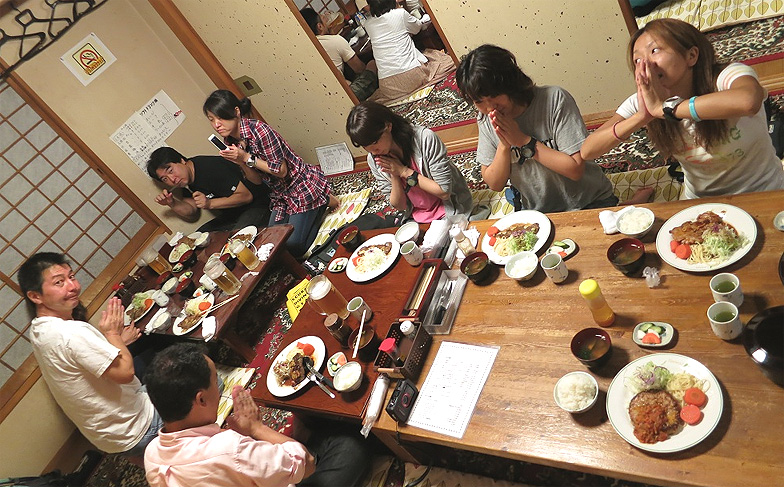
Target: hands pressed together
<point>390,164</point>
<point>507,130</point>
<point>246,416</point>
<point>113,322</point>
<point>650,91</point>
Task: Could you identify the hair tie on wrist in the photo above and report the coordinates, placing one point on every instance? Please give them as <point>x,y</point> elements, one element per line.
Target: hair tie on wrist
<point>615,134</point>
<point>693,110</point>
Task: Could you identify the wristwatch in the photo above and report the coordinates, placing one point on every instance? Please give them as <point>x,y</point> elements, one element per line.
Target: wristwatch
<point>412,180</point>
<point>668,107</point>
<point>528,151</point>
<point>251,162</point>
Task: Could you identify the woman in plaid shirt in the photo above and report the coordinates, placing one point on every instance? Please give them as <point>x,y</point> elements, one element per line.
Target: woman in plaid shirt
<point>299,192</point>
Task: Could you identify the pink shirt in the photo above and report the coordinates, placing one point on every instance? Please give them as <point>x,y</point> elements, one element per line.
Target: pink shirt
<point>426,207</point>
<point>209,456</point>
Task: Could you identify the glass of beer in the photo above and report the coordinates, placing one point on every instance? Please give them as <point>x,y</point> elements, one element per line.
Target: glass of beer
<point>156,261</point>
<point>325,298</point>
<point>245,253</point>
<point>224,278</point>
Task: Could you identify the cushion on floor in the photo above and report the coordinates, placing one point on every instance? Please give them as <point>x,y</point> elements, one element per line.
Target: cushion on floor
<point>436,477</point>
<point>350,207</point>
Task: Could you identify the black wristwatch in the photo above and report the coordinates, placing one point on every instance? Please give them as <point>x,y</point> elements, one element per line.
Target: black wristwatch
<point>669,106</point>
<point>528,151</point>
<point>412,180</point>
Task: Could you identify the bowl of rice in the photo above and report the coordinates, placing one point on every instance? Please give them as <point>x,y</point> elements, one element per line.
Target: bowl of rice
<point>636,222</point>
<point>522,266</point>
<point>576,392</point>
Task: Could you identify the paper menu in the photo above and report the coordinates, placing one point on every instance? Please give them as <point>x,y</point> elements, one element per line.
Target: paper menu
<point>335,158</point>
<point>452,387</point>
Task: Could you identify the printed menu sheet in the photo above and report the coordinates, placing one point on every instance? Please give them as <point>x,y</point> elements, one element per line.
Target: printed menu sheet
<point>452,387</point>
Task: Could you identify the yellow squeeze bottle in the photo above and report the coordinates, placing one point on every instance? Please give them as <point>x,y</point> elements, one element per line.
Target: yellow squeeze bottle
<point>603,315</point>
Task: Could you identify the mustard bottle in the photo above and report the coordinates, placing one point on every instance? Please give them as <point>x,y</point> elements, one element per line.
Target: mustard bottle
<point>603,315</point>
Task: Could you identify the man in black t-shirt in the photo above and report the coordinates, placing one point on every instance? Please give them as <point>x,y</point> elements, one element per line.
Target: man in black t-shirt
<point>210,183</point>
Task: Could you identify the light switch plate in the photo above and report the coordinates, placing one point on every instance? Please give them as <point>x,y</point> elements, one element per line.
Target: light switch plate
<point>247,85</point>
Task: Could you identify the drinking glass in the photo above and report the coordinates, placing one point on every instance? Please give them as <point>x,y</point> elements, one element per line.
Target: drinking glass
<point>156,261</point>
<point>325,298</point>
<point>224,278</point>
<point>245,253</point>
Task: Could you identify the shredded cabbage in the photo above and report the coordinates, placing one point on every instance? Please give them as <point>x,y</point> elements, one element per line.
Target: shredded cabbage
<point>647,377</point>
<point>525,242</point>
<point>722,242</point>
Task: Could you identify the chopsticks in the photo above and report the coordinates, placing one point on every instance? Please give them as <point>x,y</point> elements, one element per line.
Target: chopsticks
<point>216,306</point>
<point>359,333</point>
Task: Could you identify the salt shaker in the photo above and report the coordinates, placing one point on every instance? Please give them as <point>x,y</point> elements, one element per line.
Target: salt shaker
<point>407,327</point>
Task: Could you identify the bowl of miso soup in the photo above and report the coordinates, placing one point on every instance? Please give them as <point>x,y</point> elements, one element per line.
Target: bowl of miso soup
<point>627,255</point>
<point>592,346</point>
<point>477,267</point>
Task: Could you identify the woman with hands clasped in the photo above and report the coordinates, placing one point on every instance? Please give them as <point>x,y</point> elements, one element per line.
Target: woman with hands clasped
<point>530,135</point>
<point>707,116</point>
<point>299,192</point>
<point>409,163</point>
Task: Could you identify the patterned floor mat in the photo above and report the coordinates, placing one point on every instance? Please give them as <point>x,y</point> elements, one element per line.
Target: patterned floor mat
<point>749,43</point>
<point>443,108</point>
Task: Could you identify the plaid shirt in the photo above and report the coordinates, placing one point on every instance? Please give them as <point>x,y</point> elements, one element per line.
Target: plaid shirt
<point>304,188</point>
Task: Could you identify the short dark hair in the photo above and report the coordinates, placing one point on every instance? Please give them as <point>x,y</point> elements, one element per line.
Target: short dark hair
<point>161,158</point>
<point>174,377</point>
<point>311,18</point>
<point>367,121</point>
<point>490,71</point>
<point>380,7</point>
<point>222,104</point>
<point>31,273</point>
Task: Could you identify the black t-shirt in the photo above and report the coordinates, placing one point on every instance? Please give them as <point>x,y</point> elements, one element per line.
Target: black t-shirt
<point>217,177</point>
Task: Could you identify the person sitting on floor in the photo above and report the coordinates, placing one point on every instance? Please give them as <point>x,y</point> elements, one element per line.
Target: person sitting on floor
<point>89,370</point>
<point>708,116</point>
<point>530,135</point>
<point>365,80</point>
<point>409,163</point>
<point>402,69</point>
<point>193,450</point>
<point>210,183</point>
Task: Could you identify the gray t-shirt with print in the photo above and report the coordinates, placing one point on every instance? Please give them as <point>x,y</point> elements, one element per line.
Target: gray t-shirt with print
<point>554,119</point>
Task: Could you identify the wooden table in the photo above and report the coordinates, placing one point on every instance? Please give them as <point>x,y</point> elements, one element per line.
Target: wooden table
<point>226,315</point>
<point>533,323</point>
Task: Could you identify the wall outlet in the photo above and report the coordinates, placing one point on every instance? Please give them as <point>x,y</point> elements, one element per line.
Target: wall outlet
<point>247,85</point>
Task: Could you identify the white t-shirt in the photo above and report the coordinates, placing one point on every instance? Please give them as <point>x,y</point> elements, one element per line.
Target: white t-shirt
<point>745,163</point>
<point>338,49</point>
<point>393,49</point>
<point>72,356</point>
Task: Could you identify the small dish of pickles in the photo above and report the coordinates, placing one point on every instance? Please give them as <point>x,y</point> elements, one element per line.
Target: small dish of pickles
<point>654,334</point>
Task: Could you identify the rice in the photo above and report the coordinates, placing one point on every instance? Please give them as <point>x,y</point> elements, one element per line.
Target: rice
<point>575,391</point>
<point>634,221</point>
<point>523,266</point>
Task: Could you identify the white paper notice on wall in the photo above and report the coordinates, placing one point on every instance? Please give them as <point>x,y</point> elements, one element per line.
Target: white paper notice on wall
<point>148,128</point>
<point>88,59</point>
<point>335,158</point>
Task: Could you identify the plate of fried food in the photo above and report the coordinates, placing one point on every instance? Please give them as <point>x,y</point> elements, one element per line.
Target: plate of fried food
<point>373,258</point>
<point>183,245</point>
<point>287,374</point>
<point>247,234</point>
<point>515,233</point>
<point>192,314</point>
<point>706,237</point>
<point>664,402</point>
<point>141,304</point>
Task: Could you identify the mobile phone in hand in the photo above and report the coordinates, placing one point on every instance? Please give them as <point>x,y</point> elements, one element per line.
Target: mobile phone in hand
<point>217,142</point>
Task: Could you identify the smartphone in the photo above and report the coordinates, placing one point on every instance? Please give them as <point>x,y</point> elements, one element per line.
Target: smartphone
<point>217,142</point>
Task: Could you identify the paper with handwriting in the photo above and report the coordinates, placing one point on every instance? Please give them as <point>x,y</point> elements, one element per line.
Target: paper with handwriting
<point>452,387</point>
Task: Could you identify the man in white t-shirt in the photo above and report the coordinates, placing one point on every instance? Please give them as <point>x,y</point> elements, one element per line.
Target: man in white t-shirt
<point>89,370</point>
<point>340,52</point>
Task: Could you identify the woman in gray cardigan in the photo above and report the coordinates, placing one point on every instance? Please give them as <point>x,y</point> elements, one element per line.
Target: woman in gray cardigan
<point>409,163</point>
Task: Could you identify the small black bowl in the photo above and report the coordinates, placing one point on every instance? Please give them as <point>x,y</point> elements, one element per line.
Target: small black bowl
<point>477,267</point>
<point>188,259</point>
<point>592,346</point>
<point>763,339</point>
<point>350,237</point>
<point>627,255</point>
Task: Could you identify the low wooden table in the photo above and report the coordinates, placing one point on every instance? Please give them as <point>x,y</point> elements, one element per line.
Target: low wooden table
<point>226,315</point>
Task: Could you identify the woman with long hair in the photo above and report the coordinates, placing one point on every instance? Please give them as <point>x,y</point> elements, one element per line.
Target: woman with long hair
<point>409,163</point>
<point>299,192</point>
<point>706,115</point>
<point>530,135</point>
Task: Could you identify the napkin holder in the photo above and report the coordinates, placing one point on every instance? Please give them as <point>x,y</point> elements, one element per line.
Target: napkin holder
<point>421,294</point>
<point>413,347</point>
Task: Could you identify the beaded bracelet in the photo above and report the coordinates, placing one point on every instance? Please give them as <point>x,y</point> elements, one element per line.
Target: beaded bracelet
<point>693,110</point>
<point>615,134</point>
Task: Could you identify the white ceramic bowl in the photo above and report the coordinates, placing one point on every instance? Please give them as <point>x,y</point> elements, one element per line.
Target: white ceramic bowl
<point>200,239</point>
<point>408,232</point>
<point>348,377</point>
<point>561,383</point>
<point>522,266</point>
<point>625,219</point>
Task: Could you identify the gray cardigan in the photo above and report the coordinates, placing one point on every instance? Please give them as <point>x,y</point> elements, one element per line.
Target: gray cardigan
<point>430,156</point>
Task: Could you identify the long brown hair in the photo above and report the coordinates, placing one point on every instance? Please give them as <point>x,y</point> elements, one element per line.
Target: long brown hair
<point>681,37</point>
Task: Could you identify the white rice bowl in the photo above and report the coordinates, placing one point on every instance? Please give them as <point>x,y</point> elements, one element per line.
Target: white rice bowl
<point>635,223</point>
<point>576,392</point>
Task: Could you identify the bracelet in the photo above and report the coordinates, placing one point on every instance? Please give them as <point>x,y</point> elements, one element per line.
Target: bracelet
<point>615,134</point>
<point>693,110</point>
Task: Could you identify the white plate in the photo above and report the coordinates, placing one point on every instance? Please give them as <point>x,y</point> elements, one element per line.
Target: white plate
<point>619,396</point>
<point>351,270</point>
<point>665,339</point>
<point>178,250</point>
<point>318,360</point>
<point>524,216</point>
<point>742,221</point>
<point>176,326</point>
<point>249,230</point>
<point>127,319</point>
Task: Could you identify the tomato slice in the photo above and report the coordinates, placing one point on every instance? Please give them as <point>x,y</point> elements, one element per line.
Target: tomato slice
<point>355,261</point>
<point>492,231</point>
<point>492,241</point>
